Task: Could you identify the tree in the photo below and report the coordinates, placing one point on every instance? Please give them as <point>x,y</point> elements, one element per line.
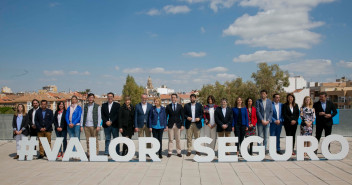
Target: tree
<point>271,78</point>
<point>133,90</point>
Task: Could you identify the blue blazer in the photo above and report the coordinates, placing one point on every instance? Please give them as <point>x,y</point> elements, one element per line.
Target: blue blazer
<point>45,122</point>
<point>139,115</point>
<point>244,115</point>
<point>260,110</point>
<point>281,116</point>
<point>76,116</point>
<point>153,117</point>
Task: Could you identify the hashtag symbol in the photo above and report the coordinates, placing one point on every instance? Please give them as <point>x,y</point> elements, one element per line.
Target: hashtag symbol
<point>24,142</point>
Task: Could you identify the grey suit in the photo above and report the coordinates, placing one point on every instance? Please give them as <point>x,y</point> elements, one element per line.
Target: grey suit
<point>267,113</point>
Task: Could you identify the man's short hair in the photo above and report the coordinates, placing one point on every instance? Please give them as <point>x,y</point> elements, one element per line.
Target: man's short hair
<point>91,94</point>
<point>323,93</point>
<point>194,95</point>
<point>174,94</point>
<point>111,94</point>
<point>44,101</point>
<point>266,92</point>
<point>34,101</point>
<point>275,95</point>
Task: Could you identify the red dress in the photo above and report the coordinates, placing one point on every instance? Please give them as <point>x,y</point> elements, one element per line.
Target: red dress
<point>252,118</point>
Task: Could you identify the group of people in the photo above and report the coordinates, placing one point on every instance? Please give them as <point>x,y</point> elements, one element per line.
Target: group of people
<point>244,119</point>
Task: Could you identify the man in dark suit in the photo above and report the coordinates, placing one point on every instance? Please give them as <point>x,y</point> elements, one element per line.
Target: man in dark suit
<point>324,111</point>
<point>31,116</point>
<point>193,116</point>
<point>43,123</point>
<point>109,115</point>
<point>175,124</point>
<point>141,118</point>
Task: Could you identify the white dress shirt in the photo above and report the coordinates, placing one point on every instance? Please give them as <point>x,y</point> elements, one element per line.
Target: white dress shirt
<point>223,111</point>
<point>211,116</point>
<point>33,115</point>
<point>144,107</point>
<point>110,105</point>
<point>193,108</point>
<point>277,107</point>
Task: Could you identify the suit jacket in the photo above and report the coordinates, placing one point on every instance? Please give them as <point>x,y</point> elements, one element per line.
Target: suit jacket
<point>113,115</point>
<point>76,116</point>
<point>260,110</point>
<point>140,117</point>
<point>244,116</point>
<point>288,115</point>
<point>220,120</point>
<point>32,131</point>
<point>24,125</point>
<point>63,124</point>
<point>281,117</point>
<point>153,117</point>
<point>330,109</point>
<point>198,114</point>
<point>45,122</point>
<point>176,116</point>
<point>126,117</point>
<point>253,117</point>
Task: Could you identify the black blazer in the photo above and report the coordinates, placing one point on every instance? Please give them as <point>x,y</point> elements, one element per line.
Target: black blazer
<point>330,109</point>
<point>63,124</point>
<point>46,122</point>
<point>126,117</point>
<point>30,117</point>
<point>288,115</point>
<point>24,125</point>
<point>198,114</point>
<point>113,115</point>
<point>220,120</point>
<point>175,116</point>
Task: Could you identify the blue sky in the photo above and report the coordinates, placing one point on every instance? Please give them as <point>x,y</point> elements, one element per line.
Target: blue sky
<point>184,44</point>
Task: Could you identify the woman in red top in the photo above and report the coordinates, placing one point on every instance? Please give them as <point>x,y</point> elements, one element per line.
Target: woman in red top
<point>252,118</point>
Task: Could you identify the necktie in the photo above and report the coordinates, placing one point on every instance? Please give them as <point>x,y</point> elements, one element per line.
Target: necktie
<point>174,107</point>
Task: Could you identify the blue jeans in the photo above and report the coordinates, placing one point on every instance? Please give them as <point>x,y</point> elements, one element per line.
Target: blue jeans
<point>63,134</point>
<point>275,130</point>
<point>263,132</point>
<point>74,132</point>
<point>115,133</point>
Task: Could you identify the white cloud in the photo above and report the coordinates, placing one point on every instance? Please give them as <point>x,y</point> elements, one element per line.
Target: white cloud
<point>310,68</point>
<point>195,54</point>
<point>54,4</point>
<point>153,12</point>
<point>79,73</point>
<point>226,76</point>
<point>278,24</point>
<point>133,70</point>
<point>53,73</point>
<point>202,29</point>
<point>344,64</point>
<point>217,69</point>
<point>215,5</point>
<point>168,9</point>
<point>268,56</point>
<point>160,70</point>
<point>117,68</point>
<point>171,9</point>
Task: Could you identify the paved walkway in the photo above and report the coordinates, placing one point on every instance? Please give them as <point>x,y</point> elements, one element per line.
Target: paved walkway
<point>173,170</point>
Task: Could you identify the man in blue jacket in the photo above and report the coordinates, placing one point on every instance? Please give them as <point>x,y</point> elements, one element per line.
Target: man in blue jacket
<point>193,116</point>
<point>276,121</point>
<point>43,123</point>
<point>141,118</point>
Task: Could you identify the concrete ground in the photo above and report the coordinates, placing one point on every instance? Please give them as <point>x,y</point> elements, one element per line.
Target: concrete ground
<point>173,170</point>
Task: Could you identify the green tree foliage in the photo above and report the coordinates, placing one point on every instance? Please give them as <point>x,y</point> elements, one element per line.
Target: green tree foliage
<point>7,110</point>
<point>271,78</point>
<point>133,90</point>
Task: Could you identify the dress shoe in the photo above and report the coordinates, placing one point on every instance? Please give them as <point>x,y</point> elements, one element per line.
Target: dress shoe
<point>168,155</point>
<point>16,157</point>
<point>279,152</point>
<point>198,153</point>
<point>40,157</point>
<point>179,155</point>
<point>160,156</point>
<point>188,154</point>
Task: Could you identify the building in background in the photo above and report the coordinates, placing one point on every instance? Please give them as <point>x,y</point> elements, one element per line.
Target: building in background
<point>164,90</point>
<point>299,88</point>
<point>6,90</point>
<point>339,92</point>
<point>48,88</point>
